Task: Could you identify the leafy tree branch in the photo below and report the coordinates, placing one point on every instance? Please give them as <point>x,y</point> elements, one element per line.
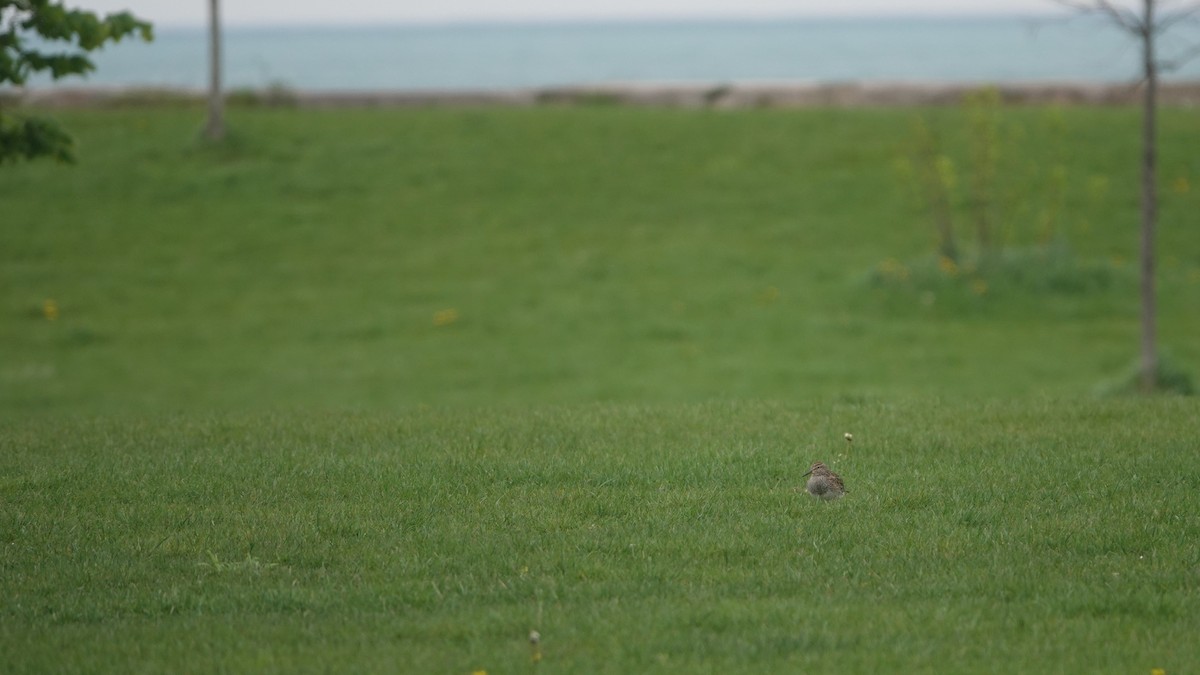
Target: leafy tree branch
<point>26,28</point>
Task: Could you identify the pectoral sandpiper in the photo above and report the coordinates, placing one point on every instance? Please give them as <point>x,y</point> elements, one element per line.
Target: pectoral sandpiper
<point>824,483</point>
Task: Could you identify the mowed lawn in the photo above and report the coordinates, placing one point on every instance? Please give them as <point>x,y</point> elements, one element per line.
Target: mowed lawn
<point>385,391</point>
<point>376,258</point>
<point>1006,537</point>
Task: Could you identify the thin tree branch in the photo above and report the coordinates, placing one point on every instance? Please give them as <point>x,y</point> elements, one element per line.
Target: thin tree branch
<point>1126,17</point>
<point>1183,13</point>
<point>1181,60</point>
<point>1123,17</point>
<point>1179,16</point>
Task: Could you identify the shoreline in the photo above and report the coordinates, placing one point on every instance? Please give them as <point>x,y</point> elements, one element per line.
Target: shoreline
<point>719,95</point>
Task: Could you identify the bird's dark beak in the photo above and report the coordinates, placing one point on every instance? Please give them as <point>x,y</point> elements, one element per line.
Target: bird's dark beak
<point>806,473</point>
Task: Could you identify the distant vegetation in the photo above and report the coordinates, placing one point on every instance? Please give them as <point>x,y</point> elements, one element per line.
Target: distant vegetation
<point>1015,207</point>
<point>998,215</point>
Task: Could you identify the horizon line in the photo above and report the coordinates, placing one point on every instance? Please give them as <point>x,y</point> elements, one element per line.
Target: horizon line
<point>575,20</point>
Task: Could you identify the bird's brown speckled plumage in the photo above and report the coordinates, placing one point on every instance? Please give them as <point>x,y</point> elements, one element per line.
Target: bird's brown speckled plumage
<point>823,483</point>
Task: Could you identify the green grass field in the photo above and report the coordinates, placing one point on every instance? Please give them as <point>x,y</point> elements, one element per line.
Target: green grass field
<point>588,254</point>
<point>384,390</point>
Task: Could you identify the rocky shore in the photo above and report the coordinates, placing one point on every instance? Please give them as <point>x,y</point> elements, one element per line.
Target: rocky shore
<point>683,95</point>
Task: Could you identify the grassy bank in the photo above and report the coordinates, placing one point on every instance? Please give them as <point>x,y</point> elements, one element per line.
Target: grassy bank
<point>381,258</point>
<point>1000,538</point>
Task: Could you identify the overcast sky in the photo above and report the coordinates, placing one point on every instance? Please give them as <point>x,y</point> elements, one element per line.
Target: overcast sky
<point>235,12</point>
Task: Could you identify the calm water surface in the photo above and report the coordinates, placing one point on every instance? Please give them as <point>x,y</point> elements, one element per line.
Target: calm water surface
<point>500,56</point>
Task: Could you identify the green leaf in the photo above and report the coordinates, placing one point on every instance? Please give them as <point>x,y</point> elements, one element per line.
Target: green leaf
<point>33,137</point>
<point>83,31</point>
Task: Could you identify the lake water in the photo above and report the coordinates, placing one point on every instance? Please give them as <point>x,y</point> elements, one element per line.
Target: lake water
<point>501,56</point>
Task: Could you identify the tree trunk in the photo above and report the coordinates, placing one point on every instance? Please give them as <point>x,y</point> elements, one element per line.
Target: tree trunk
<point>1149,355</point>
<point>215,129</point>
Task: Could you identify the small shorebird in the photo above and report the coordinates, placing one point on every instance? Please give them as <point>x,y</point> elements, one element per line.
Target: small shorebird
<point>824,483</point>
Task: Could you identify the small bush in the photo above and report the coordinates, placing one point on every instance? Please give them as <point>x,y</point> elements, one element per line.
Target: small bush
<point>1172,379</point>
<point>275,95</point>
<point>1041,270</point>
<point>153,98</point>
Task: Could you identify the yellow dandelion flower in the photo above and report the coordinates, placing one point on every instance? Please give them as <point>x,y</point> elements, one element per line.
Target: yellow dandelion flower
<point>979,287</point>
<point>768,296</point>
<point>445,317</point>
<point>50,310</point>
<point>892,269</point>
<point>1158,671</point>
<point>948,266</point>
